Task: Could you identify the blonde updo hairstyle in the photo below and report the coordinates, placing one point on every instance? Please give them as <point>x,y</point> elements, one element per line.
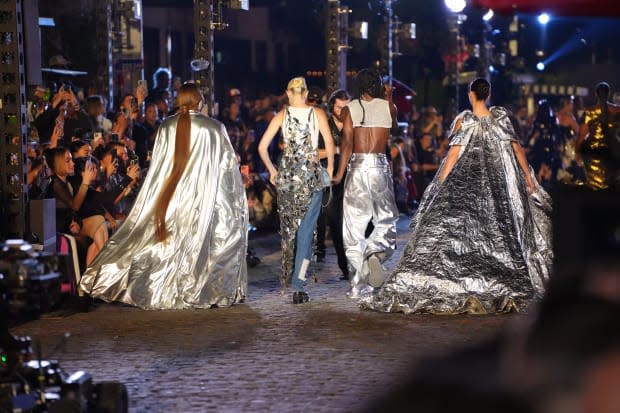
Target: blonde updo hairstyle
<point>296,87</point>
<point>189,98</point>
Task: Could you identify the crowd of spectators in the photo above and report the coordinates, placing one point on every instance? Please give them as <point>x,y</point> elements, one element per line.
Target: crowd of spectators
<point>92,161</point>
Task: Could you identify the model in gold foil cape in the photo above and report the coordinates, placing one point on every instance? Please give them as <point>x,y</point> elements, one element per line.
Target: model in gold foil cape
<point>202,261</point>
<point>602,128</point>
<point>479,243</point>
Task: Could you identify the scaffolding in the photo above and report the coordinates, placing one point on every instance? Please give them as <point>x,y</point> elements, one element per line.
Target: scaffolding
<point>13,129</point>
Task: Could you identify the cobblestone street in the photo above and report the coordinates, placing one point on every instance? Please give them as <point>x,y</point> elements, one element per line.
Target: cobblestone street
<point>264,355</point>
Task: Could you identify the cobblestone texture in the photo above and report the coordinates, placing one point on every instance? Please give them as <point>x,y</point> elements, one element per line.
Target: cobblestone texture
<point>266,355</point>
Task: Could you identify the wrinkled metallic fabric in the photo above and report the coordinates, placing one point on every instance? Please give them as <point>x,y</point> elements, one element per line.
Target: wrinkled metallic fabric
<point>202,263</point>
<point>368,196</point>
<point>596,156</point>
<point>479,243</point>
<point>299,176</point>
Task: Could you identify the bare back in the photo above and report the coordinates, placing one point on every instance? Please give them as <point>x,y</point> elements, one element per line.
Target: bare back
<point>370,140</point>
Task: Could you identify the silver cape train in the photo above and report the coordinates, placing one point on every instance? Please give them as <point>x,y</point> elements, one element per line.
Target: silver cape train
<point>202,263</point>
<point>479,243</point>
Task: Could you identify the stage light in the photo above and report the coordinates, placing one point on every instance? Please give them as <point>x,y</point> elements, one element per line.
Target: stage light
<point>543,18</point>
<point>407,31</point>
<point>199,64</point>
<point>359,30</point>
<point>455,6</point>
<point>239,4</point>
<point>540,66</point>
<point>488,15</point>
<point>492,69</point>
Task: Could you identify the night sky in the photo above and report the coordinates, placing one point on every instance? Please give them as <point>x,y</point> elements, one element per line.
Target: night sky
<point>578,50</point>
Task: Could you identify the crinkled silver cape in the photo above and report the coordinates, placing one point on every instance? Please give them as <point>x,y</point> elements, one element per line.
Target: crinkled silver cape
<point>479,243</point>
<point>202,263</point>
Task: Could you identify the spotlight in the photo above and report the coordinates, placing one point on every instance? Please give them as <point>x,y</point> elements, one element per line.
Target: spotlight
<point>455,6</point>
<point>359,30</point>
<point>540,66</point>
<point>543,18</point>
<point>492,69</point>
<point>199,64</point>
<point>407,31</point>
<point>488,15</point>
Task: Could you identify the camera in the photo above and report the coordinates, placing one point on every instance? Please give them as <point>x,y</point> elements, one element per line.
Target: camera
<point>30,384</point>
<point>133,160</point>
<point>80,164</point>
<point>30,281</point>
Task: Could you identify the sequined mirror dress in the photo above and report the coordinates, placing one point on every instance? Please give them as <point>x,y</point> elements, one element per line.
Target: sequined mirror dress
<point>299,177</point>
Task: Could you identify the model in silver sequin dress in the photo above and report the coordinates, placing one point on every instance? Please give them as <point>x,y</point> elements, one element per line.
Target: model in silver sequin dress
<point>479,243</point>
<point>298,180</point>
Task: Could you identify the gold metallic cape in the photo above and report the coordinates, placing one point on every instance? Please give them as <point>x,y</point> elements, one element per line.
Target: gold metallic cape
<point>597,157</point>
<point>202,263</point>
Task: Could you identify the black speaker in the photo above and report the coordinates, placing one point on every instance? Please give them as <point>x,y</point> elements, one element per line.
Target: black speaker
<point>43,223</point>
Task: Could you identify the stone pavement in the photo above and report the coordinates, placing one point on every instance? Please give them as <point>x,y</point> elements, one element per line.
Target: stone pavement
<point>266,355</point>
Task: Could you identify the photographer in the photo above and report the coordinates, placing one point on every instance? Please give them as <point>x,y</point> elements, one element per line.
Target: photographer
<point>128,115</point>
<point>37,177</point>
<point>433,123</point>
<point>144,133</point>
<point>66,102</point>
<point>69,201</point>
<point>114,187</point>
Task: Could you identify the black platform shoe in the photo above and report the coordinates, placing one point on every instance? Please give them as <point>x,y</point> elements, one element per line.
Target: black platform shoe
<point>320,257</point>
<point>300,297</point>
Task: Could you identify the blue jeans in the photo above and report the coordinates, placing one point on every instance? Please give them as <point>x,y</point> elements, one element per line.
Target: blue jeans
<point>303,242</point>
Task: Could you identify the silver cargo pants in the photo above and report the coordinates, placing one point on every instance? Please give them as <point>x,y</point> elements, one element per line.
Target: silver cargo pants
<point>368,197</point>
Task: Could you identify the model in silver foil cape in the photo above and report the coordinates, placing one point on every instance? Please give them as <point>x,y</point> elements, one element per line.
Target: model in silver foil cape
<point>202,263</point>
<point>479,243</point>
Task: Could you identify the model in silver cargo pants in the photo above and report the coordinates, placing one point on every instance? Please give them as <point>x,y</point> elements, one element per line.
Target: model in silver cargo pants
<point>368,197</point>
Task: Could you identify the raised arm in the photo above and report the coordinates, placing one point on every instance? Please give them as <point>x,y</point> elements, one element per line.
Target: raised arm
<point>88,175</point>
<point>327,139</point>
<point>387,93</point>
<point>263,146</point>
<point>346,144</point>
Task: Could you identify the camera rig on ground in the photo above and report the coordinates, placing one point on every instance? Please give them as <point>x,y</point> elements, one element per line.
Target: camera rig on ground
<point>30,283</point>
<point>29,384</point>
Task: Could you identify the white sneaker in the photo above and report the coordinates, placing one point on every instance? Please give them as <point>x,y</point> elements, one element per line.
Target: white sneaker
<point>354,293</point>
<point>377,275</point>
<point>360,291</point>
